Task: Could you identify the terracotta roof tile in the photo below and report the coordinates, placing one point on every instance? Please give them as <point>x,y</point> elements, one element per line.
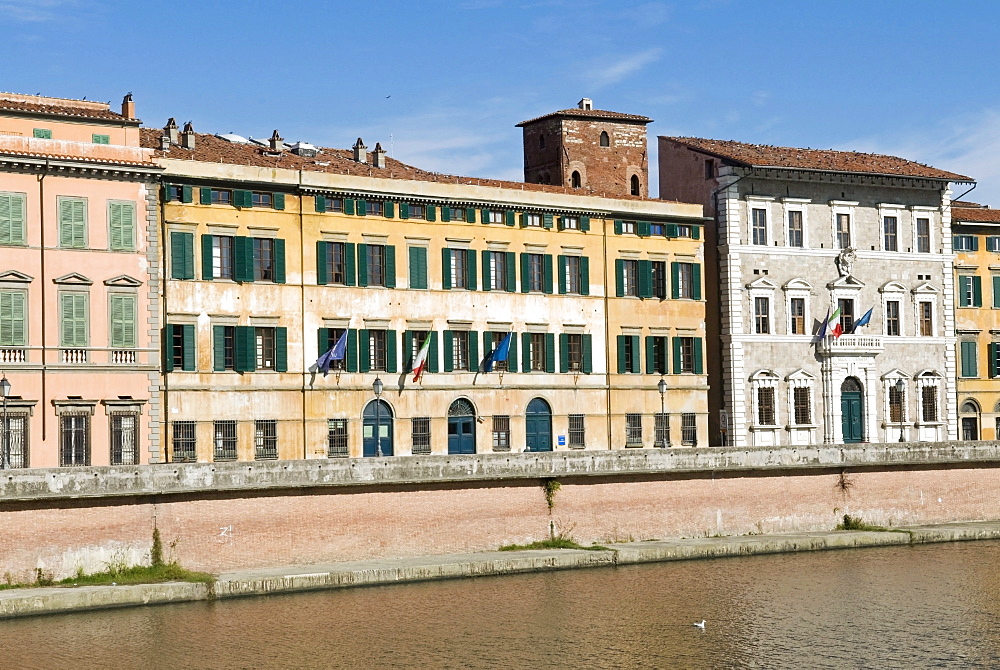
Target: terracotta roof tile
<point>966,204</point>
<point>212,149</point>
<point>975,215</point>
<point>78,109</point>
<point>590,114</point>
<point>763,155</point>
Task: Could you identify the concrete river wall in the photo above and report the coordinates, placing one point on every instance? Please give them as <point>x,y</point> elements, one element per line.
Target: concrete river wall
<point>236,516</point>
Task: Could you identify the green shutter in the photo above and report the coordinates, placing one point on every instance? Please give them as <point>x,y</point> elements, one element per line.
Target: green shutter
<point>181,255</point>
<point>963,291</point>
<point>675,280</point>
<point>470,215</point>
<point>12,219</point>
<point>991,350</point>
<point>404,210</point>
<point>671,230</point>
<point>349,274</point>
<point>432,354</point>
<point>187,193</point>
<point>471,276</point>
<point>563,352</point>
<point>619,277</point>
<point>281,349</point>
<point>246,348</point>
<point>122,219</point>
<point>320,203</point>
<point>585,223</point>
<point>206,256</point>
<point>696,281</point>
<point>511,271</point>
<point>650,358</point>
<point>243,198</point>
<point>408,350</point>
<point>206,195</point>
<point>352,351</point>
<point>74,320</point>
<point>364,354</point>
<point>642,228</point>
<point>323,340</point>
<point>362,208</point>
<point>12,317</point>
<point>524,220</point>
<point>279,200</point>
<point>584,275</point>
<point>187,336</point>
<point>588,354</point>
<point>72,223</point>
<point>389,209</point>
<point>508,218</point>
<point>446,268</point>
<point>977,291</point>
<point>243,268</point>
<point>562,276</point>
<point>695,232</point>
<point>698,366</point>
<point>474,361</point>
<point>390,266</point>
<point>363,268</point>
<point>512,353</point>
<point>546,220</point>
<point>349,206</point>
<point>218,348</point>
<point>449,350</point>
<point>486,270</point>
<point>618,226</point>
<point>645,279</point>
<point>526,352</point>
<point>975,243</point>
<point>390,351</point>
<point>620,342</point>
<point>279,261</point>
<point>547,273</point>
<point>430,213</point>
<point>123,308</point>
<point>636,363</point>
<point>42,133</point>
<point>167,348</point>
<point>525,272</point>
<point>677,355</point>
<point>446,214</point>
<point>418,267</point>
<point>996,291</point>
<point>484,215</point>
<point>550,352</point>
<point>322,253</point>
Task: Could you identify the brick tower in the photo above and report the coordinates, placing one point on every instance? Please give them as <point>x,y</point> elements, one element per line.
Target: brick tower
<point>592,149</point>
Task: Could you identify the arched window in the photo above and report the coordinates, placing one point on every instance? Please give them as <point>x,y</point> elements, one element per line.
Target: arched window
<point>575,179</point>
<point>635,185</point>
<point>541,141</point>
<point>605,140</point>
<point>851,385</point>
<point>461,407</point>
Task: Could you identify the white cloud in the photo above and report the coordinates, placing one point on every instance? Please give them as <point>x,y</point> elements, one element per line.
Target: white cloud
<point>33,11</point>
<point>605,73</point>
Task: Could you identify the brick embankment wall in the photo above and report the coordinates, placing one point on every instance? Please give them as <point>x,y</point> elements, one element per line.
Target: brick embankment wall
<point>249,527</point>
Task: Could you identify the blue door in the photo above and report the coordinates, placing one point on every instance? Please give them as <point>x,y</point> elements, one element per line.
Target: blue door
<point>538,425</point>
<point>461,427</point>
<point>377,424</point>
<point>852,410</point>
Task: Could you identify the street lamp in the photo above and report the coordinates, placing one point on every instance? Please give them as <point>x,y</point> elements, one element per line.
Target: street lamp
<point>902,407</point>
<point>661,386</point>
<point>5,391</point>
<point>377,387</point>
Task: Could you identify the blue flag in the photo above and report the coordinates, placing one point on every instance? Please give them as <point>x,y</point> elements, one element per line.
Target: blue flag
<point>863,321</point>
<point>497,355</point>
<point>337,353</point>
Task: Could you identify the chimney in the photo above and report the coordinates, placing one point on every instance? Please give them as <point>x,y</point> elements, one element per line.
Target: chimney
<point>170,130</point>
<point>585,103</point>
<point>128,107</point>
<point>360,152</point>
<point>276,142</point>
<point>378,156</point>
<point>164,143</point>
<point>187,137</point>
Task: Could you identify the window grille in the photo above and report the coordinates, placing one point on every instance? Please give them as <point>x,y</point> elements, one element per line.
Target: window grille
<point>633,430</point>
<point>765,406</point>
<point>421,435</point>
<point>184,442</point>
<point>336,438</point>
<point>896,405</point>
<point>501,433</point>
<point>265,439</point>
<point>75,447</point>
<point>225,440</point>
<point>928,403</point>
<point>124,431</point>
<point>662,430</point>
<point>14,437</point>
<point>803,405</point>
<point>689,430</point>
<point>577,436</point>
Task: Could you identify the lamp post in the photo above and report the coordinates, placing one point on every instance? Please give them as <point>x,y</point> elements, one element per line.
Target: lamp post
<point>5,391</point>
<point>902,407</point>
<point>377,388</point>
<point>661,386</point>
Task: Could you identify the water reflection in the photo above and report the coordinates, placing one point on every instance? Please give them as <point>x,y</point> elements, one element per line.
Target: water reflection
<point>923,606</point>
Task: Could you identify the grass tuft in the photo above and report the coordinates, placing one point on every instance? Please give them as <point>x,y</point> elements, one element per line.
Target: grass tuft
<point>855,523</point>
<point>558,542</point>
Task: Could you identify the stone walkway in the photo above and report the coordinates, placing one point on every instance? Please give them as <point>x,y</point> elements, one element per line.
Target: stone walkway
<point>52,600</point>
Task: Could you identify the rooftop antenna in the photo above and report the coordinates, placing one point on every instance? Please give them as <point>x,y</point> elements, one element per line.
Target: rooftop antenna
<point>391,153</point>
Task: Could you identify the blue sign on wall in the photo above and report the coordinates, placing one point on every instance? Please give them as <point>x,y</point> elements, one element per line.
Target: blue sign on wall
<point>562,440</point>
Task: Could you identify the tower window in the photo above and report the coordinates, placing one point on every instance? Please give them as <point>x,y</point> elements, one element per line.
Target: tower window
<point>575,179</point>
<point>605,140</point>
<point>541,141</point>
<point>635,185</point>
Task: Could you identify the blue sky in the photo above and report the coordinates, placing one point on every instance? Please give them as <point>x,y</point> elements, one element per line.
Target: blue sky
<point>448,80</point>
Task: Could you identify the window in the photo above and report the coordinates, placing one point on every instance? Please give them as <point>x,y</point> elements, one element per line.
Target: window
<point>176,192</point>
<point>896,404</point>
<point>569,223</point>
<point>501,433</point>
<point>329,204</point>
<point>12,218</point>
<point>495,339</point>
<point>926,310</point>
<point>923,236</point>
<point>656,354</point>
<point>659,269</point>
<point>498,270</point>
<point>686,280</point>
<point>605,140</point>
<point>335,261</point>
<point>928,403</point>
<point>689,430</point>
<point>13,317</point>
<point>124,432</point>
<point>72,223</point>
<point>633,430</point>
<point>689,354</point>
<point>100,139</point>
<point>220,196</point>
<point>538,352</point>
<point>261,199</point>
<point>631,353</point>
<point>892,317</point>
<point>970,291</point>
<point>577,434</point>
<point>377,349</point>
<point>222,257</point>
<point>460,350</point>
<point>765,406</point>
<point>572,277</point>
<point>890,233</point>
<point>635,186</point>
<point>661,430</point>
<point>42,133</point>
<point>336,438</point>
<point>709,168</point>
<point>843,230</point>
<point>628,227</point>
<point>421,435</point>
<point>375,260</point>
<point>454,214</point>
<point>630,278</point>
<point>762,315</point>
<point>536,272</point>
<point>969,359</point>
<point>265,439</point>
<point>846,307</point>
<point>495,216</point>
<point>15,435</point>
<point>179,343</point>
<point>121,217</point>
<point>224,346</point>
<point>964,243</point>
<point>759,226</point>
<point>263,259</point>
<point>574,351</point>
<point>374,207</point>
<point>74,439</point>
<point>797,316</point>
<point>795,228</point>
<point>184,442</point>
<point>75,328</point>
<point>802,405</point>
<point>575,180</point>
<point>993,243</point>
<point>123,309</point>
<point>224,440</point>
<point>266,348</point>
<point>532,220</point>
<point>417,212</point>
<point>458,271</point>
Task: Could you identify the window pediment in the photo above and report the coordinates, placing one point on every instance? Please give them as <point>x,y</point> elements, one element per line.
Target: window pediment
<point>14,276</point>
<point>892,287</point>
<point>764,376</point>
<point>762,284</point>
<point>800,374</point>
<point>74,278</point>
<point>122,280</point>
<point>895,374</point>
<point>926,288</point>
<point>847,282</point>
<point>797,284</point>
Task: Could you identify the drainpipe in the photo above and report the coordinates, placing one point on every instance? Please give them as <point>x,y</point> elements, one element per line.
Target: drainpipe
<point>164,343</point>
<point>302,314</point>
<point>44,284</point>
<point>607,333</point>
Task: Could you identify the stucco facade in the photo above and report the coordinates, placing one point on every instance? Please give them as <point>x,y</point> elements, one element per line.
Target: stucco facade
<point>792,244</point>
<point>79,292</point>
<point>389,259</point>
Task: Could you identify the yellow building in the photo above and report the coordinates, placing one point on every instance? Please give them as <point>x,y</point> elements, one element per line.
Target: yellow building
<point>275,252</point>
<point>976,240</point>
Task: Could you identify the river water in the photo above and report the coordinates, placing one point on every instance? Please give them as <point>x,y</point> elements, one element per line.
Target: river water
<point>920,607</point>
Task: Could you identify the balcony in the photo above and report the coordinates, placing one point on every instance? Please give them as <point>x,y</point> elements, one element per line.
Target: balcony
<point>850,345</point>
<point>13,355</point>
<point>73,356</point>
<point>123,357</point>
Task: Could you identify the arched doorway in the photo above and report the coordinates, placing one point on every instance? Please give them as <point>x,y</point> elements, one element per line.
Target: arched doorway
<point>461,427</point>
<point>377,424</point>
<point>970,420</point>
<point>538,426</point>
<point>852,408</point>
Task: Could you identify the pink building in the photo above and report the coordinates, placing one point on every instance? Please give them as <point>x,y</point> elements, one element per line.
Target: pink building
<point>79,329</point>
